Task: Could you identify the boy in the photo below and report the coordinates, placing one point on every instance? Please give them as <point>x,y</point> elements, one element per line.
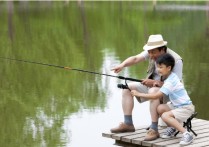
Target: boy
<point>181,106</point>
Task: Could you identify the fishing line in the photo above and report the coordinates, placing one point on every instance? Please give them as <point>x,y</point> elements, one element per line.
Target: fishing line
<point>69,68</point>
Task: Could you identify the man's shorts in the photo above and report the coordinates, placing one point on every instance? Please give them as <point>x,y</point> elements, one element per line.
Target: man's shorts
<point>144,89</point>
<point>182,113</point>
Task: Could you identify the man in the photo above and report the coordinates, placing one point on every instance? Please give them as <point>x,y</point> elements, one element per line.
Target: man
<point>155,47</point>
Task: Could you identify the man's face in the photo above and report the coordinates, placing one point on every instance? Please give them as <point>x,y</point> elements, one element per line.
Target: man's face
<point>155,53</point>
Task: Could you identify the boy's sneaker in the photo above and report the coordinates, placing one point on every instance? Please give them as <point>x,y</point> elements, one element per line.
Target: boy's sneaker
<point>170,132</point>
<point>186,139</point>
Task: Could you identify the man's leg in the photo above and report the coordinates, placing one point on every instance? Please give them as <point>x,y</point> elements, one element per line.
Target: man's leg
<point>153,109</point>
<point>127,106</point>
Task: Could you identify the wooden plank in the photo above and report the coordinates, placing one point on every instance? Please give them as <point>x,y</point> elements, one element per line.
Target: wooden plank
<point>125,144</point>
<point>109,134</point>
<point>199,123</point>
<point>130,138</point>
<point>195,122</point>
<point>149,143</point>
<point>160,141</point>
<point>176,140</point>
<point>118,136</point>
<point>139,140</point>
<point>204,129</point>
<point>201,138</point>
<point>201,142</point>
<point>136,138</point>
<point>200,127</point>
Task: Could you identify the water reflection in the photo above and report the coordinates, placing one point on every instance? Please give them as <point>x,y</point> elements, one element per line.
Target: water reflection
<point>88,126</point>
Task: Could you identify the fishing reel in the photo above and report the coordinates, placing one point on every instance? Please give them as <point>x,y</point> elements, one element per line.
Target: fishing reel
<point>122,86</point>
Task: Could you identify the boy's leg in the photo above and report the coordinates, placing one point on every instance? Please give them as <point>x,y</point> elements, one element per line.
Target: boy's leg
<point>173,117</point>
<point>170,131</point>
<point>170,120</point>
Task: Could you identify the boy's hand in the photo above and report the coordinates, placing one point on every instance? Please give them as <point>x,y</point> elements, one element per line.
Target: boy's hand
<point>135,93</point>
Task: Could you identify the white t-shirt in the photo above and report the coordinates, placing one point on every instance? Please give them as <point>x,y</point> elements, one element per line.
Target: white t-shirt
<point>177,69</point>
<point>173,88</point>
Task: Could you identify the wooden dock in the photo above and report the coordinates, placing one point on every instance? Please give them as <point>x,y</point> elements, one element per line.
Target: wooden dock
<point>200,126</point>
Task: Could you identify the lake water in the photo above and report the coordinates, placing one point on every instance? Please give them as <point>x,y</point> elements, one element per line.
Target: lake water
<point>47,106</point>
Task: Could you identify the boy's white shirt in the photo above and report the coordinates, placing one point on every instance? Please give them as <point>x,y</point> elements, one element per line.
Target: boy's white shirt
<point>174,88</point>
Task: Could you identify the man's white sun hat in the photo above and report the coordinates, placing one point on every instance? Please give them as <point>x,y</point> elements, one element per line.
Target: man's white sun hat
<point>154,41</point>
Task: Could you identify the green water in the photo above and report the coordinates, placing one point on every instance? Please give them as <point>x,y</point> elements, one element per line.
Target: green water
<point>47,106</point>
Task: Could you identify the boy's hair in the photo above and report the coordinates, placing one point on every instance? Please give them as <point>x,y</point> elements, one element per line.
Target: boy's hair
<point>166,59</point>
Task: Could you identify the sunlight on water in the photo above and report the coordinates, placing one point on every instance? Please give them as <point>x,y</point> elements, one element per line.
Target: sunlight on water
<point>86,127</point>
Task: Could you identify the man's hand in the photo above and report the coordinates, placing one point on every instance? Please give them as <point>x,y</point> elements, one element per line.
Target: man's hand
<point>148,82</point>
<point>118,68</point>
<point>157,84</point>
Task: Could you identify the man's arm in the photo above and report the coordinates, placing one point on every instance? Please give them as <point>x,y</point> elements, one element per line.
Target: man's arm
<point>157,95</point>
<point>128,62</point>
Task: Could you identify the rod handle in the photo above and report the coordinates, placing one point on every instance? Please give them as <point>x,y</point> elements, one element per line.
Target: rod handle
<point>130,79</point>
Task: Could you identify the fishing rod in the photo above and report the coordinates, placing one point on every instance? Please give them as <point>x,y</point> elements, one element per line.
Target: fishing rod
<point>76,69</point>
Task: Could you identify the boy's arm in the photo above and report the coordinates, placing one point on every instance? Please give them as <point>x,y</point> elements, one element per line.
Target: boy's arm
<point>157,95</point>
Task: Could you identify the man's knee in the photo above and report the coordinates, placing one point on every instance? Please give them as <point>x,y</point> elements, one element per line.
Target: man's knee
<point>126,92</point>
<point>154,101</point>
<point>160,109</point>
<point>153,90</point>
<point>132,85</point>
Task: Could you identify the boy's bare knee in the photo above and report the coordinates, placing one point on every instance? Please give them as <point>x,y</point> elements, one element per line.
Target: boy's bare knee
<point>165,115</point>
